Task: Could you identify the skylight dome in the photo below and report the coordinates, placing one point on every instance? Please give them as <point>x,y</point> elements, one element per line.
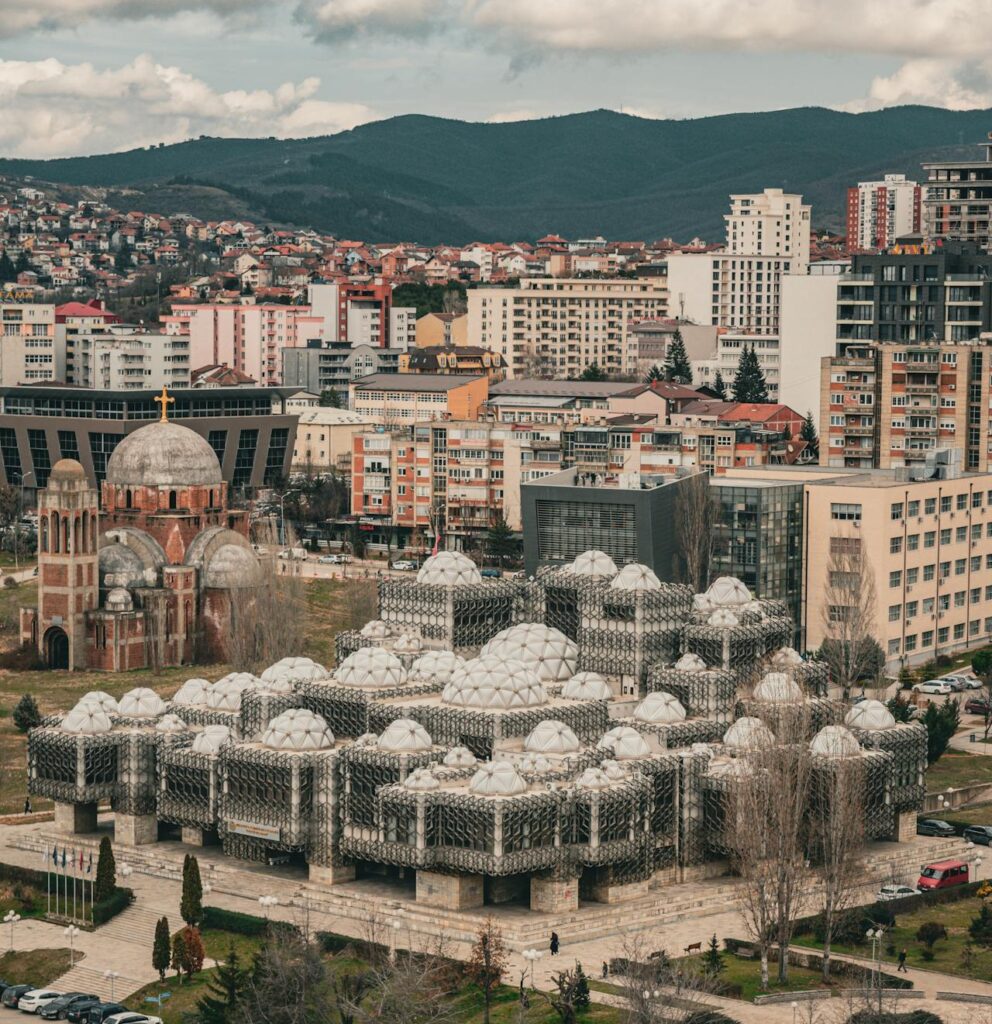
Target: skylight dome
<point>587,686</point>
<point>371,666</point>
<point>496,683</point>
<point>449,569</point>
<point>542,648</point>
<point>298,729</point>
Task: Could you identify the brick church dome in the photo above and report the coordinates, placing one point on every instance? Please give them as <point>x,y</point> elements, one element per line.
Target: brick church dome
<point>163,455</point>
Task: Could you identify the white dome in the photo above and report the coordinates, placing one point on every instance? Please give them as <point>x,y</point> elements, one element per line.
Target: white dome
<point>277,684</point>
<point>551,737</point>
<point>435,666</point>
<point>723,617</point>
<point>613,771</point>
<point>624,743</point>
<point>635,577</point>
<point>871,715</point>
<point>193,691</point>
<point>497,778</point>
<point>701,603</point>
<point>87,719</point>
<point>295,670</point>
<point>367,739</point>
<point>690,662</point>
<point>375,629</point>
<point>211,739</point>
<point>593,779</point>
<point>542,648</point>
<point>785,658</point>
<point>834,741</point>
<point>421,780</point>
<point>494,682</point>
<point>587,686</point>
<point>404,736</point>
<point>100,698</point>
<point>225,694</point>
<point>534,763</point>
<point>449,569</point>
<point>141,703</point>
<point>728,592</point>
<point>593,563</point>
<point>298,729</point>
<point>119,600</point>
<point>408,643</point>
<point>777,687</point>
<point>460,757</point>
<point>170,723</point>
<point>371,666</point>
<point>660,709</point>
<point>748,734</point>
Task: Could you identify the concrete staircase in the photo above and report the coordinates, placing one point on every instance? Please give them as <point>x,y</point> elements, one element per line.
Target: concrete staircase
<point>87,979</point>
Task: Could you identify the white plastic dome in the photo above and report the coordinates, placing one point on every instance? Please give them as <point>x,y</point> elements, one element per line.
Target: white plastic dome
<point>635,577</point>
<point>587,686</point>
<point>613,771</point>
<point>277,684</point>
<point>728,592</point>
<point>777,688</point>
<point>404,736</point>
<point>834,741</point>
<point>449,569</point>
<point>870,715</point>
<point>241,677</point>
<point>542,648</point>
<point>701,603</point>
<point>119,600</point>
<point>435,666</point>
<point>101,699</point>
<point>551,737</point>
<point>593,779</point>
<point>408,643</point>
<point>371,666</point>
<point>690,662</point>
<point>785,658</point>
<point>295,670</point>
<point>420,780</point>
<point>211,739</point>
<point>494,682</point>
<point>193,691</point>
<point>593,563</point>
<point>497,778</point>
<point>87,719</point>
<point>460,757</point>
<point>298,729</point>
<point>225,694</point>
<point>748,734</point>
<point>534,763</point>
<point>624,743</point>
<point>660,709</point>
<point>170,723</point>
<point>141,703</point>
<point>723,617</point>
<point>375,629</point>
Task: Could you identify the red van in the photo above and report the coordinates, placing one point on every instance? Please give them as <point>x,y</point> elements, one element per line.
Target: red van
<point>943,874</point>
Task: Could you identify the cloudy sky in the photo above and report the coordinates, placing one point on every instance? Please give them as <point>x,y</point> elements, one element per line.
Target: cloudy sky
<point>90,76</point>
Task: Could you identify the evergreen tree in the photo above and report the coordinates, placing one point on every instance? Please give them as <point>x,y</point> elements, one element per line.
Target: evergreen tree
<point>677,366</point>
<point>180,958</point>
<point>809,435</point>
<point>106,872</point>
<point>122,261</point>
<point>195,953</point>
<point>719,386</point>
<point>225,992</point>
<point>581,998</point>
<point>500,540</point>
<point>655,373</point>
<point>26,714</point>
<point>160,947</point>
<point>713,959</point>
<point>8,272</point>
<point>191,903</point>
<point>749,382</point>
<point>329,398</point>
<point>22,263</point>
<point>592,373</point>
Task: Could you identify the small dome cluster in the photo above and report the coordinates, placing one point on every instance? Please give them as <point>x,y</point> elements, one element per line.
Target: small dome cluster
<point>660,709</point>
<point>493,682</point>
<point>371,667</point>
<point>544,649</point>
<point>404,736</point>
<point>141,703</point>
<point>170,724</point>
<point>193,691</point>
<point>87,719</point>
<point>449,569</point>
<point>834,741</point>
<point>587,686</point>
<point>778,688</point>
<point>728,592</point>
<point>690,662</point>
<point>624,743</point>
<point>298,729</point>
<point>103,700</point>
<point>435,666</point>
<point>748,734</point>
<point>421,780</point>
<point>635,577</point>
<point>293,671</point>
<point>786,658</point>
<point>460,757</point>
<point>226,693</point>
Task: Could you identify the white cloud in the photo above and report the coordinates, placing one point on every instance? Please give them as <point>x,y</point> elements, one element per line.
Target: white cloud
<point>949,83</point>
<point>52,109</point>
<point>331,20</point>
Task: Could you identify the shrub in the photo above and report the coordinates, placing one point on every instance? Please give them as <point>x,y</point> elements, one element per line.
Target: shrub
<point>930,932</point>
<point>980,928</point>
<point>913,1017</point>
<point>120,899</point>
<point>242,924</point>
<point>26,714</point>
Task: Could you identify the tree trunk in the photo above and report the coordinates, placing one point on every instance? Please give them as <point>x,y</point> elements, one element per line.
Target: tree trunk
<point>826,959</point>
<point>764,968</point>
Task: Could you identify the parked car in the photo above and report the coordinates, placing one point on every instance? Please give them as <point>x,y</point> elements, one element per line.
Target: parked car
<point>934,827</point>
<point>99,1013</point>
<point>934,686</point>
<point>334,559</point>
<point>130,1017</point>
<point>944,874</point>
<point>293,555</point>
<point>34,999</point>
<point>79,1013</point>
<point>58,1009</point>
<point>977,706</point>
<point>964,682</point>
<point>895,892</point>
<point>404,565</point>
<point>12,995</point>
<point>491,574</point>
<point>956,683</point>
<point>981,835</point>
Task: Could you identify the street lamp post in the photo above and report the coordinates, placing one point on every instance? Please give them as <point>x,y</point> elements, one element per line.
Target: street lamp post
<point>266,903</point>
<point>111,976</point>
<point>533,955</point>
<point>20,513</point>
<point>395,925</point>
<point>282,513</point>
<point>11,918</point>
<point>70,933</point>
<point>876,935</point>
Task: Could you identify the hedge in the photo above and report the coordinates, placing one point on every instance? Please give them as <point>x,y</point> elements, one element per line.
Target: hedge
<point>913,1017</point>
<point>332,942</point>
<point>242,924</point>
<point>120,899</point>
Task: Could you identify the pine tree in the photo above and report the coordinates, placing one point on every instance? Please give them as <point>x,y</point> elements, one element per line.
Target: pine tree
<point>106,872</point>
<point>22,263</point>
<point>180,958</point>
<point>677,366</point>
<point>809,435</point>
<point>8,272</point>
<point>592,373</point>
<point>160,947</point>
<point>719,386</point>
<point>581,1000</point>
<point>713,959</point>
<point>500,540</point>
<point>191,903</point>
<point>225,991</point>
<point>26,714</point>
<point>749,382</point>
<point>655,373</point>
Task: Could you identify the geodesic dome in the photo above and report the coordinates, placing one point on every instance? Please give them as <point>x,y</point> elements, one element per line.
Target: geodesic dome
<point>748,734</point>
<point>211,739</point>
<point>785,658</point>
<point>101,699</point>
<point>420,780</point>
<point>870,715</point>
<point>727,592</point>
<point>534,763</point>
<point>551,737</point>
<point>460,757</point>
<point>587,686</point>
<point>276,684</point>
<point>371,666</point>
<point>723,617</point>
<point>295,670</point>
<point>660,708</point>
<point>449,569</point>
<point>497,778</point>
<point>776,688</point>
<point>404,736</point>
<point>494,682</point>
<point>592,563</point>
<point>140,703</point>
<point>193,691</point>
<point>690,662</point>
<point>593,779</point>
<point>225,694</point>
<point>408,643</point>
<point>613,771</point>
<point>624,743</point>
<point>834,741</point>
<point>635,576</point>
<point>87,719</point>
<point>375,629</point>
<point>435,666</point>
<point>542,648</point>
<point>298,729</point>
<point>170,723</point>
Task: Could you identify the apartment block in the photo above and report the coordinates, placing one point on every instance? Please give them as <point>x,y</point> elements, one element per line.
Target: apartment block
<point>362,313</point>
<point>28,352</point>
<point>404,398</point>
<point>332,366</point>
<point>879,212</point>
<point>325,440</point>
<point>127,358</point>
<point>957,198</point>
<point>442,329</point>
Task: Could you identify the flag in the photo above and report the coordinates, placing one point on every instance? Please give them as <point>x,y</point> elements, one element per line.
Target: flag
<point>80,858</point>
<point>44,855</point>
<point>63,858</point>
<point>72,860</point>
<point>89,865</point>
<point>55,855</point>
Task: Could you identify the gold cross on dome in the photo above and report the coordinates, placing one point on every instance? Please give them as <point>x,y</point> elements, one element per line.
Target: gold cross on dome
<point>164,400</point>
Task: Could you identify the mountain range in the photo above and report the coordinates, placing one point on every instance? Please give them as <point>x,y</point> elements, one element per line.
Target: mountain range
<point>433,180</point>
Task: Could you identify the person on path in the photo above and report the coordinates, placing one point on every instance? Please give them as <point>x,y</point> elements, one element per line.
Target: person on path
<point>27,805</point>
<point>554,943</point>
<point>902,962</point>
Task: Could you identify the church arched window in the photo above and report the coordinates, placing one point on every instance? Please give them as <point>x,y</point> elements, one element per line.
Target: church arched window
<point>44,533</point>
<point>56,536</point>
<point>76,528</point>
<point>65,538</point>
<point>188,618</point>
<point>128,498</point>
<point>86,531</point>
<point>172,500</point>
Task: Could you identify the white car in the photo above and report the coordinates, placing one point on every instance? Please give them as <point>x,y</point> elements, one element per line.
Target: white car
<point>895,892</point>
<point>33,1001</point>
<point>934,686</point>
<point>293,555</point>
<point>132,1017</point>
<point>404,566</point>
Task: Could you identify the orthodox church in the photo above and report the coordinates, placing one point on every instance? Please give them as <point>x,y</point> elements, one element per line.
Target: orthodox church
<point>145,573</point>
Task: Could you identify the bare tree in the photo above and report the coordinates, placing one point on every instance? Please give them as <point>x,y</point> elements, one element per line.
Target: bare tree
<point>848,613</point>
<point>267,623</point>
<point>487,962</point>
<point>695,516</point>
<point>288,984</point>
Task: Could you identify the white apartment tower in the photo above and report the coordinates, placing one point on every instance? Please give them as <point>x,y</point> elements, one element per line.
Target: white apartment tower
<point>879,212</point>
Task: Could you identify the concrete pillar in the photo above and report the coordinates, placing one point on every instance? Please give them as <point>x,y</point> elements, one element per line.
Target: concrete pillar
<point>331,874</point>
<point>75,819</point>
<point>194,836</point>
<point>610,892</point>
<point>135,829</point>
<point>450,892</point>
<point>554,895</point>
<point>905,826</point>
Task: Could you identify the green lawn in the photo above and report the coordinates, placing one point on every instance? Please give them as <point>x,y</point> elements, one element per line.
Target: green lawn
<point>334,606</point>
<point>956,769</point>
<point>747,974</point>
<point>978,814</point>
<point>22,898</point>
<point>36,967</point>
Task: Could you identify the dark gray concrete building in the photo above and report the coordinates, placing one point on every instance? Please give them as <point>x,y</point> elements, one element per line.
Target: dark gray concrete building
<point>326,366</point>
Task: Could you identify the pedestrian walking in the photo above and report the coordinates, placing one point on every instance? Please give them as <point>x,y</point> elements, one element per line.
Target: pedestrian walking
<point>902,962</point>
<point>554,943</point>
<point>27,805</point>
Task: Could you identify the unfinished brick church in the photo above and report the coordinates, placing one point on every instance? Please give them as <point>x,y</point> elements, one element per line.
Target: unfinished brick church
<point>146,572</point>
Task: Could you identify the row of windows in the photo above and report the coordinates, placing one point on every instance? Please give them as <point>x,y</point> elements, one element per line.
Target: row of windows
<point>896,645</point>
<point>961,566</point>
<point>960,535</point>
